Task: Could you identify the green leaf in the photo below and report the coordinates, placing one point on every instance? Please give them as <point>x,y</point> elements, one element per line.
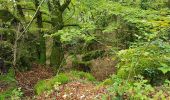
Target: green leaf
<point>165,68</point>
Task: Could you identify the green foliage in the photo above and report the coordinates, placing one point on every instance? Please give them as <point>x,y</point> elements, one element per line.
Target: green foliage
<point>6,50</point>
<point>136,60</point>
<point>45,85</point>
<point>142,25</point>
<point>5,15</point>
<point>16,94</point>
<point>165,68</point>
<point>107,82</point>
<point>9,81</point>
<point>139,90</point>
<point>9,77</point>
<point>146,23</point>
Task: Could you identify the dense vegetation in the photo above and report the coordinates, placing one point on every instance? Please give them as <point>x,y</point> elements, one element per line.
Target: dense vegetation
<point>121,47</point>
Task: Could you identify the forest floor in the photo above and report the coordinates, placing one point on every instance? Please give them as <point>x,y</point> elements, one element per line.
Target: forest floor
<point>27,80</point>
<point>75,90</point>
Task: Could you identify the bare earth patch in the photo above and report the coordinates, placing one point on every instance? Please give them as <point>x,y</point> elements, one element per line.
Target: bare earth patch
<point>27,80</point>
<point>75,91</point>
<point>4,86</point>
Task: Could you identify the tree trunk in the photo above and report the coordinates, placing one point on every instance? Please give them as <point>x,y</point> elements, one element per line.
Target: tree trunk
<point>57,53</point>
<point>169,3</point>
<point>42,47</point>
<point>15,50</point>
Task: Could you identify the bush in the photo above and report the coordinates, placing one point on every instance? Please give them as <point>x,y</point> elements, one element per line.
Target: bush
<point>139,90</point>
<point>9,81</point>
<point>144,60</point>
<point>16,94</point>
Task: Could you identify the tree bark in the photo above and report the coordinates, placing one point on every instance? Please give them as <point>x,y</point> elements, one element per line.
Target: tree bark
<point>42,47</point>
<point>169,3</point>
<point>57,53</point>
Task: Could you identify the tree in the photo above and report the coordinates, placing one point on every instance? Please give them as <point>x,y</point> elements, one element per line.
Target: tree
<point>42,47</point>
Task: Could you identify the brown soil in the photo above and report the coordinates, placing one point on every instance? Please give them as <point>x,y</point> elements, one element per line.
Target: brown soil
<point>27,80</point>
<point>4,86</point>
<point>75,91</point>
<point>102,68</point>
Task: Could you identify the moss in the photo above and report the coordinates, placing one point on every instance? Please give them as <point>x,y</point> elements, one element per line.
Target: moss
<point>48,84</point>
<point>83,75</point>
<point>62,78</point>
<point>108,82</point>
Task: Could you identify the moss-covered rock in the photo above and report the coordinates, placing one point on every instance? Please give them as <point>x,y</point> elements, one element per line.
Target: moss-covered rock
<point>48,84</point>
<point>62,78</point>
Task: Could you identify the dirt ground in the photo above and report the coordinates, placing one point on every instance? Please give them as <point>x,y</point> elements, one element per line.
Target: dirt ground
<point>75,91</point>
<point>27,80</point>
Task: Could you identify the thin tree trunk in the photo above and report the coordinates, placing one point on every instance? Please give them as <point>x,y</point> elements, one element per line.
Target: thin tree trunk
<point>15,46</point>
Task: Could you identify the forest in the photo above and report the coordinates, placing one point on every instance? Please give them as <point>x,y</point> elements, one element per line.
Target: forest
<point>84,49</point>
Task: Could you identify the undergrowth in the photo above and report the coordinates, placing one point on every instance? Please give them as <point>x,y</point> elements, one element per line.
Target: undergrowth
<point>11,92</point>
<point>152,61</point>
<point>62,78</point>
<point>120,89</point>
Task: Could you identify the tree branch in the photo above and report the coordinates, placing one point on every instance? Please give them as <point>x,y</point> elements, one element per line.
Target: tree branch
<point>19,8</point>
<point>65,5</point>
<point>31,9</point>
<point>69,25</point>
<point>46,21</point>
<point>27,27</point>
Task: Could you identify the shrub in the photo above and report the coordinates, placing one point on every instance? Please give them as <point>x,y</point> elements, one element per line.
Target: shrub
<point>16,94</point>
<point>9,81</point>
<point>144,60</point>
<point>139,90</point>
